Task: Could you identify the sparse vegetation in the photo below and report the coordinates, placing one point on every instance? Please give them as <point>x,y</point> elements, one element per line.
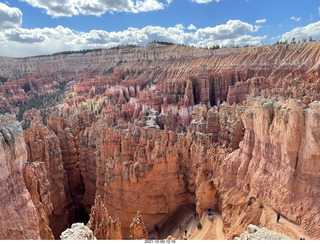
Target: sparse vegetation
<point>199,226</point>
<point>250,201</point>
<point>109,71</point>
<point>122,46</point>
<point>84,51</point>
<point>3,79</point>
<point>43,101</point>
<point>164,43</point>
<point>260,205</point>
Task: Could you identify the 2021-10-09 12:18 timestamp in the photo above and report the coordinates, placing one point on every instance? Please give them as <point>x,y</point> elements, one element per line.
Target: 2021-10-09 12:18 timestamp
<point>159,241</point>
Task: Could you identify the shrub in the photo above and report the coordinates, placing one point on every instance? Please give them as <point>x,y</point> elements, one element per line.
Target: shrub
<point>260,205</point>
<point>199,226</point>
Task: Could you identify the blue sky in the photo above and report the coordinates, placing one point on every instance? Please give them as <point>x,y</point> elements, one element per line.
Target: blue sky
<point>32,27</point>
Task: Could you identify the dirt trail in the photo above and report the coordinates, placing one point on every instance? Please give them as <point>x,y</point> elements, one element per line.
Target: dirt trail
<point>184,219</point>
<point>176,224</point>
<point>284,226</point>
<point>212,228</point>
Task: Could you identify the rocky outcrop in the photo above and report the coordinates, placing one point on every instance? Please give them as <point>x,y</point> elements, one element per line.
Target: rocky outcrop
<point>137,229</point>
<point>175,74</point>
<point>18,218</point>
<point>78,231</point>
<point>276,160</point>
<point>36,179</point>
<point>104,228</point>
<point>140,161</point>
<point>255,233</point>
<point>238,93</point>
<point>44,146</point>
<point>139,120</point>
<point>70,131</point>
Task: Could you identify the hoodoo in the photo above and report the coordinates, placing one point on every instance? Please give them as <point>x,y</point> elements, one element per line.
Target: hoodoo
<point>147,142</point>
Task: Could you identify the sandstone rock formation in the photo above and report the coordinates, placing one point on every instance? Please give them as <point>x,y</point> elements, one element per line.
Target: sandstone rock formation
<point>76,153</point>
<point>104,228</point>
<point>183,76</point>
<point>276,160</point>
<point>137,229</point>
<point>44,146</point>
<point>213,128</point>
<point>36,179</point>
<point>18,218</point>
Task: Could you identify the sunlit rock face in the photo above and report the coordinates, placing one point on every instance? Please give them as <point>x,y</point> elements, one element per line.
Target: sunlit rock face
<point>137,132</point>
<point>18,219</point>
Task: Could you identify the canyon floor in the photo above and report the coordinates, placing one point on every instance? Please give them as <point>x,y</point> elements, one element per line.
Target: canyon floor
<point>133,141</point>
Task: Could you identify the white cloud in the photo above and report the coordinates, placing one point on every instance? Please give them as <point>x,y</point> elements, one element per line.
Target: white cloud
<point>192,27</point>
<point>295,18</point>
<point>260,21</point>
<point>203,1</point>
<point>56,8</point>
<point>238,41</point>
<point>9,17</point>
<point>148,5</point>
<point>26,42</point>
<point>230,30</point>
<point>312,29</point>
<point>68,8</point>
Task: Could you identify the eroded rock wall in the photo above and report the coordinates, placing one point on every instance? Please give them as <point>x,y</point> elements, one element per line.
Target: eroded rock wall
<point>36,179</point>
<point>277,160</point>
<point>44,146</point>
<point>18,219</point>
<point>139,120</point>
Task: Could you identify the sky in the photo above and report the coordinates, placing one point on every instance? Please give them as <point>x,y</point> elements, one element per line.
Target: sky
<point>36,27</point>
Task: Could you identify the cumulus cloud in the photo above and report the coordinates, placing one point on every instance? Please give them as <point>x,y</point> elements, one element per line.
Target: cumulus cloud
<point>238,41</point>
<point>9,17</point>
<point>230,30</point>
<point>148,5</point>
<point>295,18</point>
<point>21,42</point>
<point>192,27</point>
<point>68,8</point>
<point>260,21</point>
<point>312,29</point>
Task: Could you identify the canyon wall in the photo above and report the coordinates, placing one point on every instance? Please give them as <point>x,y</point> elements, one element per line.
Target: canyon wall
<point>36,179</point>
<point>44,146</point>
<point>172,73</point>
<point>146,130</point>
<point>277,161</point>
<point>18,219</point>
